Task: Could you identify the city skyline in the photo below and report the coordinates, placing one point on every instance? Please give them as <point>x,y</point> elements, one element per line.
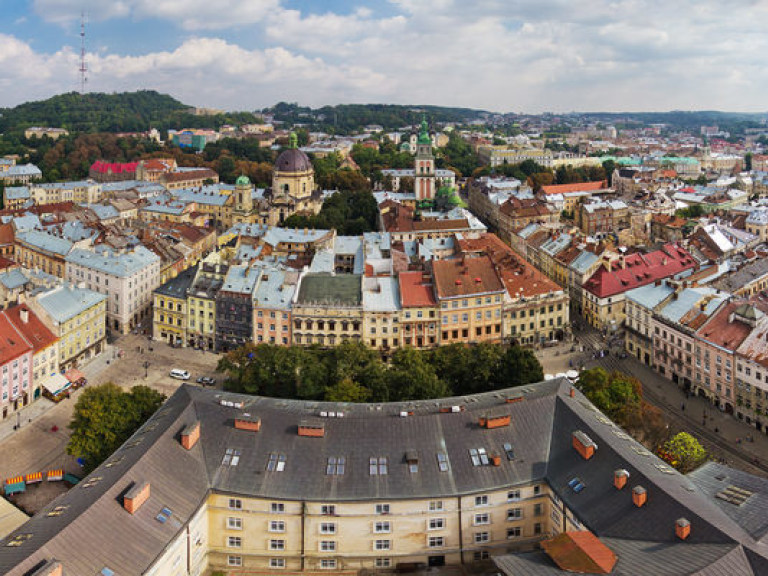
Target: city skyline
<point>522,57</point>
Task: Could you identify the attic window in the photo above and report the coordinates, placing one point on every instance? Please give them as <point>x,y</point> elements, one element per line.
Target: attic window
<point>442,462</point>
<point>412,459</point>
<point>479,457</point>
<point>276,463</point>
<point>231,457</point>
<point>509,451</point>
<point>377,466</point>
<point>164,515</point>
<point>576,485</point>
<point>335,466</point>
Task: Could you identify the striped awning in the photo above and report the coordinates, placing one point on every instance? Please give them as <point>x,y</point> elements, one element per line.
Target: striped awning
<point>74,375</point>
<point>14,480</point>
<point>34,477</point>
<point>55,475</point>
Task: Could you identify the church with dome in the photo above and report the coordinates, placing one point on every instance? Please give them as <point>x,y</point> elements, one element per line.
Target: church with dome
<point>293,191</point>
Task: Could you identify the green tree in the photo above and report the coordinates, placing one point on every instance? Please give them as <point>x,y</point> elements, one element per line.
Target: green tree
<point>685,451</point>
<point>105,417</point>
<point>411,377</point>
<point>346,390</point>
<point>618,395</point>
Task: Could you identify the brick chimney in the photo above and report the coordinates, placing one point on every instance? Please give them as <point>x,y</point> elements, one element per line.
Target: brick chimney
<point>682,528</point>
<point>190,435</point>
<point>620,478</point>
<point>584,445</point>
<point>639,496</point>
<point>24,315</point>
<point>245,422</point>
<point>136,496</point>
<point>312,430</point>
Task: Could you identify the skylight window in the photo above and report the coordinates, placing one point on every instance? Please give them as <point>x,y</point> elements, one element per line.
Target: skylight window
<point>377,466</point>
<point>442,462</point>
<point>479,456</point>
<point>231,457</point>
<point>576,485</point>
<point>336,466</point>
<point>276,462</point>
<point>509,451</point>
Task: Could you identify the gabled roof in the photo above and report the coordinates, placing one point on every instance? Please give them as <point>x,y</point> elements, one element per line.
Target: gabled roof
<point>580,552</point>
<point>575,187</point>
<point>35,332</point>
<point>415,291</point>
<point>465,276</point>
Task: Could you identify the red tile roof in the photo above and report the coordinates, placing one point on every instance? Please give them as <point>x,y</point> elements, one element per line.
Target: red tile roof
<point>12,343</point>
<point>575,187</point>
<point>415,291</point>
<point>465,276</point>
<point>200,174</point>
<point>639,270</point>
<point>722,331</point>
<point>114,167</point>
<point>35,332</point>
<point>580,552</point>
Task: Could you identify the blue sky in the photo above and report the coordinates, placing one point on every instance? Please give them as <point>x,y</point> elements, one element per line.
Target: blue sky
<point>501,55</point>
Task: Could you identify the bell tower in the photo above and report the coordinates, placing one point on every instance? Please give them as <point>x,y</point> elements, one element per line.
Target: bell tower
<point>424,165</point>
<point>243,195</point>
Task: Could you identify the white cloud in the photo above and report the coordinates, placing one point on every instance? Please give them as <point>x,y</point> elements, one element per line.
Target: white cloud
<point>525,55</point>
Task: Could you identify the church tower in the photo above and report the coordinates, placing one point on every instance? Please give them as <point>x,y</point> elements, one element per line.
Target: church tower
<point>424,166</point>
<point>243,195</point>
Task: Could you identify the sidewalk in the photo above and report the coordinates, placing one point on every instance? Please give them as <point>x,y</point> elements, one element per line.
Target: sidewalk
<point>40,407</point>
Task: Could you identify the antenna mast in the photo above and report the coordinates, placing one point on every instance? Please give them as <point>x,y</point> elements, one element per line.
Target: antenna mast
<point>83,69</point>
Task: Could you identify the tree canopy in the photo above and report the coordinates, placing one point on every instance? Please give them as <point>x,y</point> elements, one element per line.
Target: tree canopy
<point>684,452</point>
<point>349,212</point>
<point>106,416</point>
<point>352,372</point>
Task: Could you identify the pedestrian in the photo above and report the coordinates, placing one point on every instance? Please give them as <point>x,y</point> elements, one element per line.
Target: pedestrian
<point>717,430</point>
<point>738,440</point>
<point>682,407</point>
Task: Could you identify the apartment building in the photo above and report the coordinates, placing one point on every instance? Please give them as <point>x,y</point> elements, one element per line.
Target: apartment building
<point>78,192</point>
<point>272,300</point>
<point>328,309</point>
<point>78,317</point>
<point>170,315</point>
<point>345,488</point>
<point>381,312</point>
<point>419,323</point>
<point>126,277</point>
<point>234,307</point>
<point>38,249</point>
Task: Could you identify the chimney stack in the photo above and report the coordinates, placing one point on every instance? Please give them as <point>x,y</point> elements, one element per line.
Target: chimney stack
<point>682,528</point>
<point>584,445</point>
<point>24,314</point>
<point>136,496</point>
<point>190,435</point>
<point>620,478</point>
<point>639,496</point>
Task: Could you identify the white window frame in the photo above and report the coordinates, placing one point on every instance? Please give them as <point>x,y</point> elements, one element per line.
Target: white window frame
<point>234,542</point>
<point>382,527</point>
<point>234,523</point>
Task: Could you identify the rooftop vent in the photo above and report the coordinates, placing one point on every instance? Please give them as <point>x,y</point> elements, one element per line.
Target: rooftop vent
<point>248,422</point>
<point>190,435</point>
<point>734,495</point>
<point>639,496</point>
<point>50,568</point>
<point>584,445</point>
<point>136,496</point>
<point>682,528</point>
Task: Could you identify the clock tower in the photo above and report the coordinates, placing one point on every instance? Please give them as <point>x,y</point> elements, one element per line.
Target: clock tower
<point>424,166</point>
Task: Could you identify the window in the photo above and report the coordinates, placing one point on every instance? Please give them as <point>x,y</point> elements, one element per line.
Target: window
<point>382,508</point>
<point>377,466</point>
<point>277,507</point>
<point>383,544</point>
<point>481,500</point>
<point>277,562</point>
<point>537,509</point>
<point>537,528</point>
<point>276,526</point>
<point>234,541</point>
<point>483,518</point>
<point>436,523</point>
<point>482,537</point>
<point>235,504</point>
<point>435,542</point>
<point>479,457</point>
<point>480,555</point>
<point>514,513</point>
<point>382,528</point>
<point>327,545</point>
<point>515,532</point>
<point>234,523</point>
<point>277,544</point>
<point>435,505</point>
<point>382,563</point>
<point>442,462</point>
<point>335,466</point>
<point>513,495</point>
<point>276,463</point>
<point>536,490</point>
<point>327,528</point>
<point>328,510</point>
<point>234,560</point>
<point>328,564</point>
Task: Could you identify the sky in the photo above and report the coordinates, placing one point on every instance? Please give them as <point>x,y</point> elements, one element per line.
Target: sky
<point>526,56</point>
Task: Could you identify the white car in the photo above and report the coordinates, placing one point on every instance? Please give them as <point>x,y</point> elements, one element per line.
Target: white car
<point>180,374</point>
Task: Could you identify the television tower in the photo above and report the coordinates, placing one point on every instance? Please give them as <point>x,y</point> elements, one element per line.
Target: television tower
<point>83,69</point>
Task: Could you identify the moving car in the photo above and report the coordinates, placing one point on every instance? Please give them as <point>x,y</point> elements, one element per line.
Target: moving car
<point>206,381</point>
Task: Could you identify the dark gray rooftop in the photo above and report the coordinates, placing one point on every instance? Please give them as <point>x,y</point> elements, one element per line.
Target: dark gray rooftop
<point>331,290</point>
<point>177,287</point>
<point>540,433</point>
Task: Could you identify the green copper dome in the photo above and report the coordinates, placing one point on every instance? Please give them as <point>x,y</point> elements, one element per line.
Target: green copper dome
<point>424,133</point>
<point>242,181</point>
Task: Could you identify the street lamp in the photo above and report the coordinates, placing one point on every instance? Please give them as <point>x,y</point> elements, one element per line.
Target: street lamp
<point>146,369</point>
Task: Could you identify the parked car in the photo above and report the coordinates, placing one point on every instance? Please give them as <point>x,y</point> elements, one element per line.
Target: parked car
<point>179,374</point>
<point>206,381</point>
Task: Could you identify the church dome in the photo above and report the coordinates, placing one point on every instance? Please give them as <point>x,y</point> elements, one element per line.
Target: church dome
<point>243,181</point>
<point>293,160</point>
